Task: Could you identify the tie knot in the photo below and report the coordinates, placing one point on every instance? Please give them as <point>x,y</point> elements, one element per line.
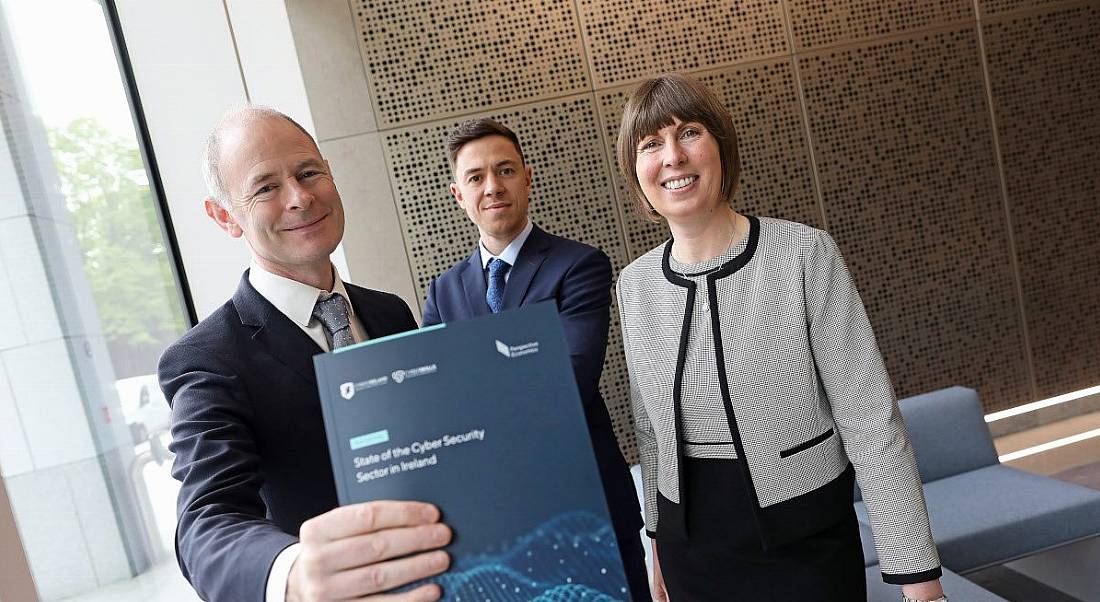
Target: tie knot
<point>498,267</point>
<point>332,313</point>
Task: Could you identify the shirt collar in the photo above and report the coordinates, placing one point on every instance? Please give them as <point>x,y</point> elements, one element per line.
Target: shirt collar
<point>294,299</point>
<point>511,252</point>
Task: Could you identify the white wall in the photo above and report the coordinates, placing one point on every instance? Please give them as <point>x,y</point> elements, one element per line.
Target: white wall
<point>187,76</point>
<point>193,61</point>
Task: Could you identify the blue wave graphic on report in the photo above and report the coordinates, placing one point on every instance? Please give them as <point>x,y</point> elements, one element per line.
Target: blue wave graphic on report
<point>570,558</point>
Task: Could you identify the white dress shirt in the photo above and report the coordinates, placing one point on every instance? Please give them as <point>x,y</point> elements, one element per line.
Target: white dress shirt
<point>296,301</point>
<point>510,253</point>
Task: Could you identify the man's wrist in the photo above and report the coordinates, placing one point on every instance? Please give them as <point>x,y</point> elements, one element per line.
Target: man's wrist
<point>279,578</point>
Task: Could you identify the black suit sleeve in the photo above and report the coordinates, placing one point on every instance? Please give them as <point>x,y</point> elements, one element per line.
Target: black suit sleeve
<point>431,312</point>
<point>585,306</point>
<point>224,543</point>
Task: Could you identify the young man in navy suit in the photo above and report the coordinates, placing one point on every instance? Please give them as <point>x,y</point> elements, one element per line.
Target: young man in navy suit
<point>515,264</point>
<point>258,520</point>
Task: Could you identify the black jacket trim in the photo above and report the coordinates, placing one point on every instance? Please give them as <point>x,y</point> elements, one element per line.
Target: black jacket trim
<point>671,516</point>
<point>678,520</point>
<point>726,269</point>
<point>908,578</point>
<point>720,360</point>
<point>805,445</point>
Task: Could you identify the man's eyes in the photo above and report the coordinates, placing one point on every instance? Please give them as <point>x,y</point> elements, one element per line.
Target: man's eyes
<point>507,171</point>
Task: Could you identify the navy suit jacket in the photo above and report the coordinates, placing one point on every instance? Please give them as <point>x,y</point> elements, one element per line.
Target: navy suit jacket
<point>248,436</point>
<point>578,278</point>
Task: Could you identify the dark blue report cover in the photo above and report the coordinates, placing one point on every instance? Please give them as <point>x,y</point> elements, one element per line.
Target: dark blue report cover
<point>483,419</point>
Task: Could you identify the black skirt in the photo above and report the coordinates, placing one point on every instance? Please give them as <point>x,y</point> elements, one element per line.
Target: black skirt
<point>722,559</point>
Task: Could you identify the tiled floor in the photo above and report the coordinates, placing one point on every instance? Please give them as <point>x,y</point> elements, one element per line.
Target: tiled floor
<point>1075,463</point>
<point>1015,587</point>
<point>164,583</point>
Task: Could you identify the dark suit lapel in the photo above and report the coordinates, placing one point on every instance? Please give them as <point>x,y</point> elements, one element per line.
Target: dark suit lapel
<point>528,261</point>
<point>473,285</point>
<point>274,332</point>
<point>370,320</point>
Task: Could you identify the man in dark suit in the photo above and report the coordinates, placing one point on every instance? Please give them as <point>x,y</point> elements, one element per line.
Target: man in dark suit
<point>257,508</point>
<point>515,264</point>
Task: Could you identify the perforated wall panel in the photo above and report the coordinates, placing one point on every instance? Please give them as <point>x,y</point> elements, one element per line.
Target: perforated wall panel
<point>894,97</point>
<point>633,39</point>
<point>1048,118</point>
<point>994,7</point>
<point>904,151</point>
<point>571,197</point>
<point>817,23</point>
<point>776,179</point>
<point>433,58</point>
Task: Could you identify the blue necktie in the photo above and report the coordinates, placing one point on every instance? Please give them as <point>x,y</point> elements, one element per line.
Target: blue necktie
<point>494,296</point>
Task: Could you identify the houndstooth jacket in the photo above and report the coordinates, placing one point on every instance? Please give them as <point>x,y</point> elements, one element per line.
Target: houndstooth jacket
<point>805,391</point>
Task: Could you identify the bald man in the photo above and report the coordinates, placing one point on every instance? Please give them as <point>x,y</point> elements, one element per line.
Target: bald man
<point>258,516</point>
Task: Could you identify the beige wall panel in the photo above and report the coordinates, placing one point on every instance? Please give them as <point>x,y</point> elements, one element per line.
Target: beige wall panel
<point>998,7</point>
<point>326,39</point>
<point>776,178</point>
<point>817,23</point>
<point>904,151</point>
<point>629,40</point>
<point>571,197</point>
<point>373,243</point>
<point>437,58</point>
<point>1048,119</point>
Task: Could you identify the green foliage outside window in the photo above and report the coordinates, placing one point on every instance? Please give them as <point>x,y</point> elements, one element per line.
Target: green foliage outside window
<point>106,188</point>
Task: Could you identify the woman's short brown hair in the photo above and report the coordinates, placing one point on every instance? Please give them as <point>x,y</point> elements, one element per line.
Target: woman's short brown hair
<point>653,105</point>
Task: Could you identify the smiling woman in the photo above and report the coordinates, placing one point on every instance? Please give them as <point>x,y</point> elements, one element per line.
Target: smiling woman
<point>748,470</point>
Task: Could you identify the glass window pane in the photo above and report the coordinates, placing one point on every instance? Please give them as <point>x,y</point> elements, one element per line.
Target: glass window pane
<point>89,273</point>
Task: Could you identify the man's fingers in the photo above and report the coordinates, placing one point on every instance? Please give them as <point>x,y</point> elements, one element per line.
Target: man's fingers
<point>367,517</point>
<point>424,593</point>
<point>361,550</point>
<point>384,576</point>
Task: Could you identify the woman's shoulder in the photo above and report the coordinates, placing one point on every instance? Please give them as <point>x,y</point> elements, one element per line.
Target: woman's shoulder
<point>786,231</point>
<point>645,266</point>
<point>784,236</point>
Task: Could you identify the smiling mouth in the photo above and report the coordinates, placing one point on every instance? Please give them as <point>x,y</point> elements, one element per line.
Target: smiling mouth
<point>306,225</point>
<point>679,183</point>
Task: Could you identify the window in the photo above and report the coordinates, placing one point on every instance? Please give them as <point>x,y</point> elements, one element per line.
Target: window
<point>90,295</point>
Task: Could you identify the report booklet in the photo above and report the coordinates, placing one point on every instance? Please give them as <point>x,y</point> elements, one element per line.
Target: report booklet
<point>483,419</point>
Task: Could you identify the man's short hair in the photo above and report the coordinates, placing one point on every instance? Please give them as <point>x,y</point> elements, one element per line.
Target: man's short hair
<point>211,153</point>
<point>475,129</point>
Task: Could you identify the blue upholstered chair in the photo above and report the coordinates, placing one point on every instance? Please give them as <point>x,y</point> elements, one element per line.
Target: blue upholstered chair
<point>983,513</point>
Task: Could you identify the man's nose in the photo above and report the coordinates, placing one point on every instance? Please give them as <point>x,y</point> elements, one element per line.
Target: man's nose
<point>493,185</point>
<point>298,196</point>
